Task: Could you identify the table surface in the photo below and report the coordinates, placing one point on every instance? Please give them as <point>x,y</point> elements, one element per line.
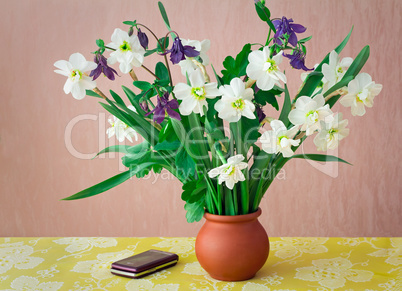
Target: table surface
<point>294,263</point>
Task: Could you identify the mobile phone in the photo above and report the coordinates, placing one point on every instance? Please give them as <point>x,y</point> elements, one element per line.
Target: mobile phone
<point>144,264</point>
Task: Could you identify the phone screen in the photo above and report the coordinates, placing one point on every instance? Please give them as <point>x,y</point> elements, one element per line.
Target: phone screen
<point>144,258</point>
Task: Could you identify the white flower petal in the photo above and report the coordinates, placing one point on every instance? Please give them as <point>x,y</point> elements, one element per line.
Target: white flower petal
<point>63,66</point>
<point>237,86</point>
<point>78,61</point>
<point>68,86</point>
<point>182,91</point>
<point>197,78</point>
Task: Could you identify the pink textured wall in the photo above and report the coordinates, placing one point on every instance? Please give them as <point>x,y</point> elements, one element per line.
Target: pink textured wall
<point>37,168</point>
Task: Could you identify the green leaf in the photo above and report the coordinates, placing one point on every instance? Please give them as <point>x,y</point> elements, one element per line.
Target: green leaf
<point>211,110</point>
<point>131,23</point>
<point>167,146</point>
<point>338,50</point>
<point>195,211</point>
<point>310,84</point>
<point>164,44</point>
<point>134,100</point>
<point>342,83</point>
<point>144,146</point>
<point>236,67</point>
<point>164,15</point>
<point>305,39</point>
<point>250,132</point>
<point>242,60</point>
<point>230,65</point>
<point>188,188</point>
<point>142,85</point>
<point>319,158</point>
<point>264,97</point>
<point>108,184</point>
<point>117,98</point>
<point>150,52</point>
<point>358,62</point>
<point>263,12</point>
<point>331,102</point>
<point>185,164</point>
<point>161,71</point>
<point>114,149</point>
<point>100,43</point>
<point>303,49</point>
<point>167,133</point>
<point>218,79</point>
<point>136,159</point>
<point>92,93</point>
<point>287,106</point>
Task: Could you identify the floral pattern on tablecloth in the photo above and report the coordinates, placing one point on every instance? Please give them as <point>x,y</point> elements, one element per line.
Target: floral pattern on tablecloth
<point>82,264</point>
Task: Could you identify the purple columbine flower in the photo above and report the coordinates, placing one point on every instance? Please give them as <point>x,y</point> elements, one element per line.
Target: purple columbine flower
<point>297,59</point>
<point>165,107</point>
<point>260,113</point>
<point>178,52</point>
<point>102,67</point>
<point>285,26</point>
<point>143,38</point>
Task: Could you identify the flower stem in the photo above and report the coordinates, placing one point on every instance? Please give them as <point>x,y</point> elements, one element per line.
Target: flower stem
<point>109,48</point>
<point>100,93</point>
<point>149,71</point>
<point>268,38</point>
<point>202,68</point>
<point>133,75</point>
<point>163,48</point>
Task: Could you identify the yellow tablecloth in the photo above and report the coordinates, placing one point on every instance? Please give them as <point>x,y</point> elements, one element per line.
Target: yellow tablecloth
<point>293,264</point>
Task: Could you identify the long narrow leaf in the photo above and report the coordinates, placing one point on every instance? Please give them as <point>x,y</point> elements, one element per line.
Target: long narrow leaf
<point>358,62</point>
<point>164,15</point>
<point>342,83</point>
<point>114,149</point>
<point>108,184</point>
<point>338,50</point>
<point>314,78</point>
<point>117,98</point>
<point>319,158</point>
<point>287,106</point>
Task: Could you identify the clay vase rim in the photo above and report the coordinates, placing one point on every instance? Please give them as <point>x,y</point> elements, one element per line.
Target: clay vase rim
<point>232,218</point>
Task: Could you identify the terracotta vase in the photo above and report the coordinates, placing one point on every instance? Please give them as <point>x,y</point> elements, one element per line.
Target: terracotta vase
<point>232,248</point>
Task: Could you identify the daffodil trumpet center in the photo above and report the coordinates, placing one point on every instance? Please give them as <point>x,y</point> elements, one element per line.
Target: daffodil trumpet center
<point>331,133</point>
<point>232,170</point>
<point>198,93</point>
<point>125,46</point>
<point>76,75</point>
<point>312,116</point>
<point>270,66</point>
<point>238,104</point>
<point>362,95</point>
<point>280,138</point>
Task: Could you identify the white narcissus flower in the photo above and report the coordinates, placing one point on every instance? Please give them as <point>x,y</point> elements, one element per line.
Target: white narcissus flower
<point>361,93</point>
<point>74,69</point>
<point>230,173</point>
<point>331,133</point>
<point>187,65</point>
<point>120,129</point>
<point>128,51</point>
<point>279,139</point>
<point>236,101</point>
<point>264,69</point>
<point>194,97</point>
<point>309,112</point>
<point>335,69</point>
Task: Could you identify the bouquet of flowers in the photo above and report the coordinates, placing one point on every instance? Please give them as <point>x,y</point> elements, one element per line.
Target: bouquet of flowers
<point>207,133</point>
